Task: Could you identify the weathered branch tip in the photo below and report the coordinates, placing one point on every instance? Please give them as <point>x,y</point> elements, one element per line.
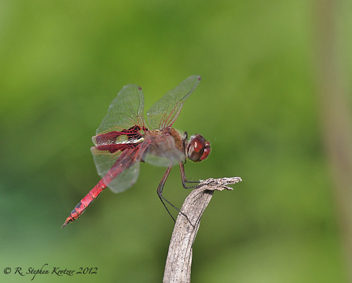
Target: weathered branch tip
<point>179,258</point>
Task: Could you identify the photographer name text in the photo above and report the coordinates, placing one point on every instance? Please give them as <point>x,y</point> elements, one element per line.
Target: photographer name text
<point>46,270</point>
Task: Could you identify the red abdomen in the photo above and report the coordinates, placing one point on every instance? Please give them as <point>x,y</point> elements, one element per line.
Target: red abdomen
<point>85,202</point>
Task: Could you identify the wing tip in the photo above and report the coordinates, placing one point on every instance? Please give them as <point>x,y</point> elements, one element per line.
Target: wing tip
<point>197,77</point>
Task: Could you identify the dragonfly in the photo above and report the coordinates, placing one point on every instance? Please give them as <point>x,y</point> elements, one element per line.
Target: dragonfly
<point>124,140</point>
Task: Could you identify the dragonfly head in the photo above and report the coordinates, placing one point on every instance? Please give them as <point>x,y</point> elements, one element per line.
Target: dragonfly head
<point>198,148</point>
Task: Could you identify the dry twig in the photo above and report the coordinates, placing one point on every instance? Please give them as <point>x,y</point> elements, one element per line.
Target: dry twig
<point>179,258</point>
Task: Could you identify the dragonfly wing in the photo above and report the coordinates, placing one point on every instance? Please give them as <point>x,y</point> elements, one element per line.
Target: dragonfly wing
<point>165,111</point>
<point>173,158</point>
<point>163,152</point>
<point>104,160</point>
<point>125,111</point>
<point>126,179</point>
<point>119,170</point>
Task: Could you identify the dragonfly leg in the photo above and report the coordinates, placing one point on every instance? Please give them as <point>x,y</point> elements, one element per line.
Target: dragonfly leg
<point>184,179</point>
<point>162,198</point>
<point>160,192</point>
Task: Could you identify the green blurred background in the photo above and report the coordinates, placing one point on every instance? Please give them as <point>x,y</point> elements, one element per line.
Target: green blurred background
<point>61,65</point>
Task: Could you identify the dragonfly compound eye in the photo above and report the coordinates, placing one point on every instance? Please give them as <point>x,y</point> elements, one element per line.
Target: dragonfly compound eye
<point>198,148</point>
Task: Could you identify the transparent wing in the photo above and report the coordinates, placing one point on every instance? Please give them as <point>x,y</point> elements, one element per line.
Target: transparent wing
<point>104,160</point>
<point>119,170</point>
<point>164,112</point>
<point>125,111</point>
<point>171,159</point>
<point>163,152</point>
<point>126,179</point>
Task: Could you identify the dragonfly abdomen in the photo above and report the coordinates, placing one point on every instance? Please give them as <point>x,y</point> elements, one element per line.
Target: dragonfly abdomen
<point>85,202</point>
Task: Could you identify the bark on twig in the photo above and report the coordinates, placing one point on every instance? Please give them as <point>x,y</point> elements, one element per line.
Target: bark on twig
<point>179,258</point>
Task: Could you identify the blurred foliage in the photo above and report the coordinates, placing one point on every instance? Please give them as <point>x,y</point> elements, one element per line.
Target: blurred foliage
<point>63,62</point>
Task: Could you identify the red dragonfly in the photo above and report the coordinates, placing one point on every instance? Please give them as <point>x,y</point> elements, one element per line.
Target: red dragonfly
<point>123,140</point>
